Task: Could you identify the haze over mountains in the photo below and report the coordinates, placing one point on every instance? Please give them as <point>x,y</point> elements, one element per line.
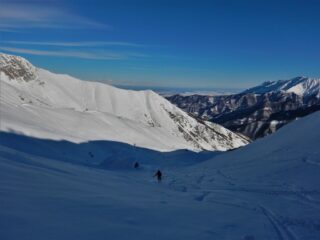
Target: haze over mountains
<point>258,111</point>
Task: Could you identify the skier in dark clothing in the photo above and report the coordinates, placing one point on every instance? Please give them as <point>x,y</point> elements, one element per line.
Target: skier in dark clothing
<point>158,174</point>
<point>136,165</point>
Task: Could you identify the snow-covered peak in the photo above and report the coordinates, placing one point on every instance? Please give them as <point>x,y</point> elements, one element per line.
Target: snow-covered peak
<point>306,87</point>
<point>18,68</point>
<point>302,86</point>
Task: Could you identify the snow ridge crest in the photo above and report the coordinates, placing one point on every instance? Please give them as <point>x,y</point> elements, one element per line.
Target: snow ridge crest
<point>302,86</point>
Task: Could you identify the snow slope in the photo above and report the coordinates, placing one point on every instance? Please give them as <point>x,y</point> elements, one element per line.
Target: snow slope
<point>267,190</point>
<point>38,103</point>
<point>277,177</point>
<point>302,86</point>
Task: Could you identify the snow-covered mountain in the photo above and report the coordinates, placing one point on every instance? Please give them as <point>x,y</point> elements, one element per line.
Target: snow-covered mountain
<point>258,111</point>
<point>38,103</point>
<point>302,86</point>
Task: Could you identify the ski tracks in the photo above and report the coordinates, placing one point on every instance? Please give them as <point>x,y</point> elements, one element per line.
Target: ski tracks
<point>283,232</point>
<point>204,193</point>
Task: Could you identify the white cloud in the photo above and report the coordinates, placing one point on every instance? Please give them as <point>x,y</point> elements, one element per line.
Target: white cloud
<point>14,16</point>
<point>76,44</point>
<point>100,55</point>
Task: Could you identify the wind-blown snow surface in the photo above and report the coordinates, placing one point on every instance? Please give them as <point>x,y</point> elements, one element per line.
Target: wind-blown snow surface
<point>38,103</point>
<point>269,189</point>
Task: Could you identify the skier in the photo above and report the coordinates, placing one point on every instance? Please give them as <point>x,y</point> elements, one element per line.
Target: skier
<point>136,165</point>
<point>158,174</point>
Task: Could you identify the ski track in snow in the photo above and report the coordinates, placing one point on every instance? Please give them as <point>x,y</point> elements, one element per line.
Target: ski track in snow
<point>307,160</point>
<point>245,195</point>
<point>283,232</point>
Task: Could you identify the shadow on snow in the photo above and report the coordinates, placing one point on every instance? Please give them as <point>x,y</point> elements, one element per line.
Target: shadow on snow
<point>101,153</point>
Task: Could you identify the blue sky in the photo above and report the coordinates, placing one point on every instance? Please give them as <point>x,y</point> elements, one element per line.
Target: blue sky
<point>201,44</point>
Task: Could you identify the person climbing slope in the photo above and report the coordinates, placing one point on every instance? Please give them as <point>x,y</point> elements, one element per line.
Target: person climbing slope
<point>158,174</point>
<point>136,165</point>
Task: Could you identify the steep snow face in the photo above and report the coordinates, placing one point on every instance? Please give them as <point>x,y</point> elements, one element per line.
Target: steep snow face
<point>302,86</point>
<point>38,103</point>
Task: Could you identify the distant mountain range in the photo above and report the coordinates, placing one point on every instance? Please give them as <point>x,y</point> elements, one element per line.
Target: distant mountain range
<point>258,111</point>
<point>41,104</point>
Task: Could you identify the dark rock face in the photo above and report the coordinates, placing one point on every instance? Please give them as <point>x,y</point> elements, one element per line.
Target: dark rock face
<point>254,115</point>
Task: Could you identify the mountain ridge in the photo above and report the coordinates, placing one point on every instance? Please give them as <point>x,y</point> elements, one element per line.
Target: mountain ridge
<point>301,85</point>
<point>257,111</point>
<point>56,106</point>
